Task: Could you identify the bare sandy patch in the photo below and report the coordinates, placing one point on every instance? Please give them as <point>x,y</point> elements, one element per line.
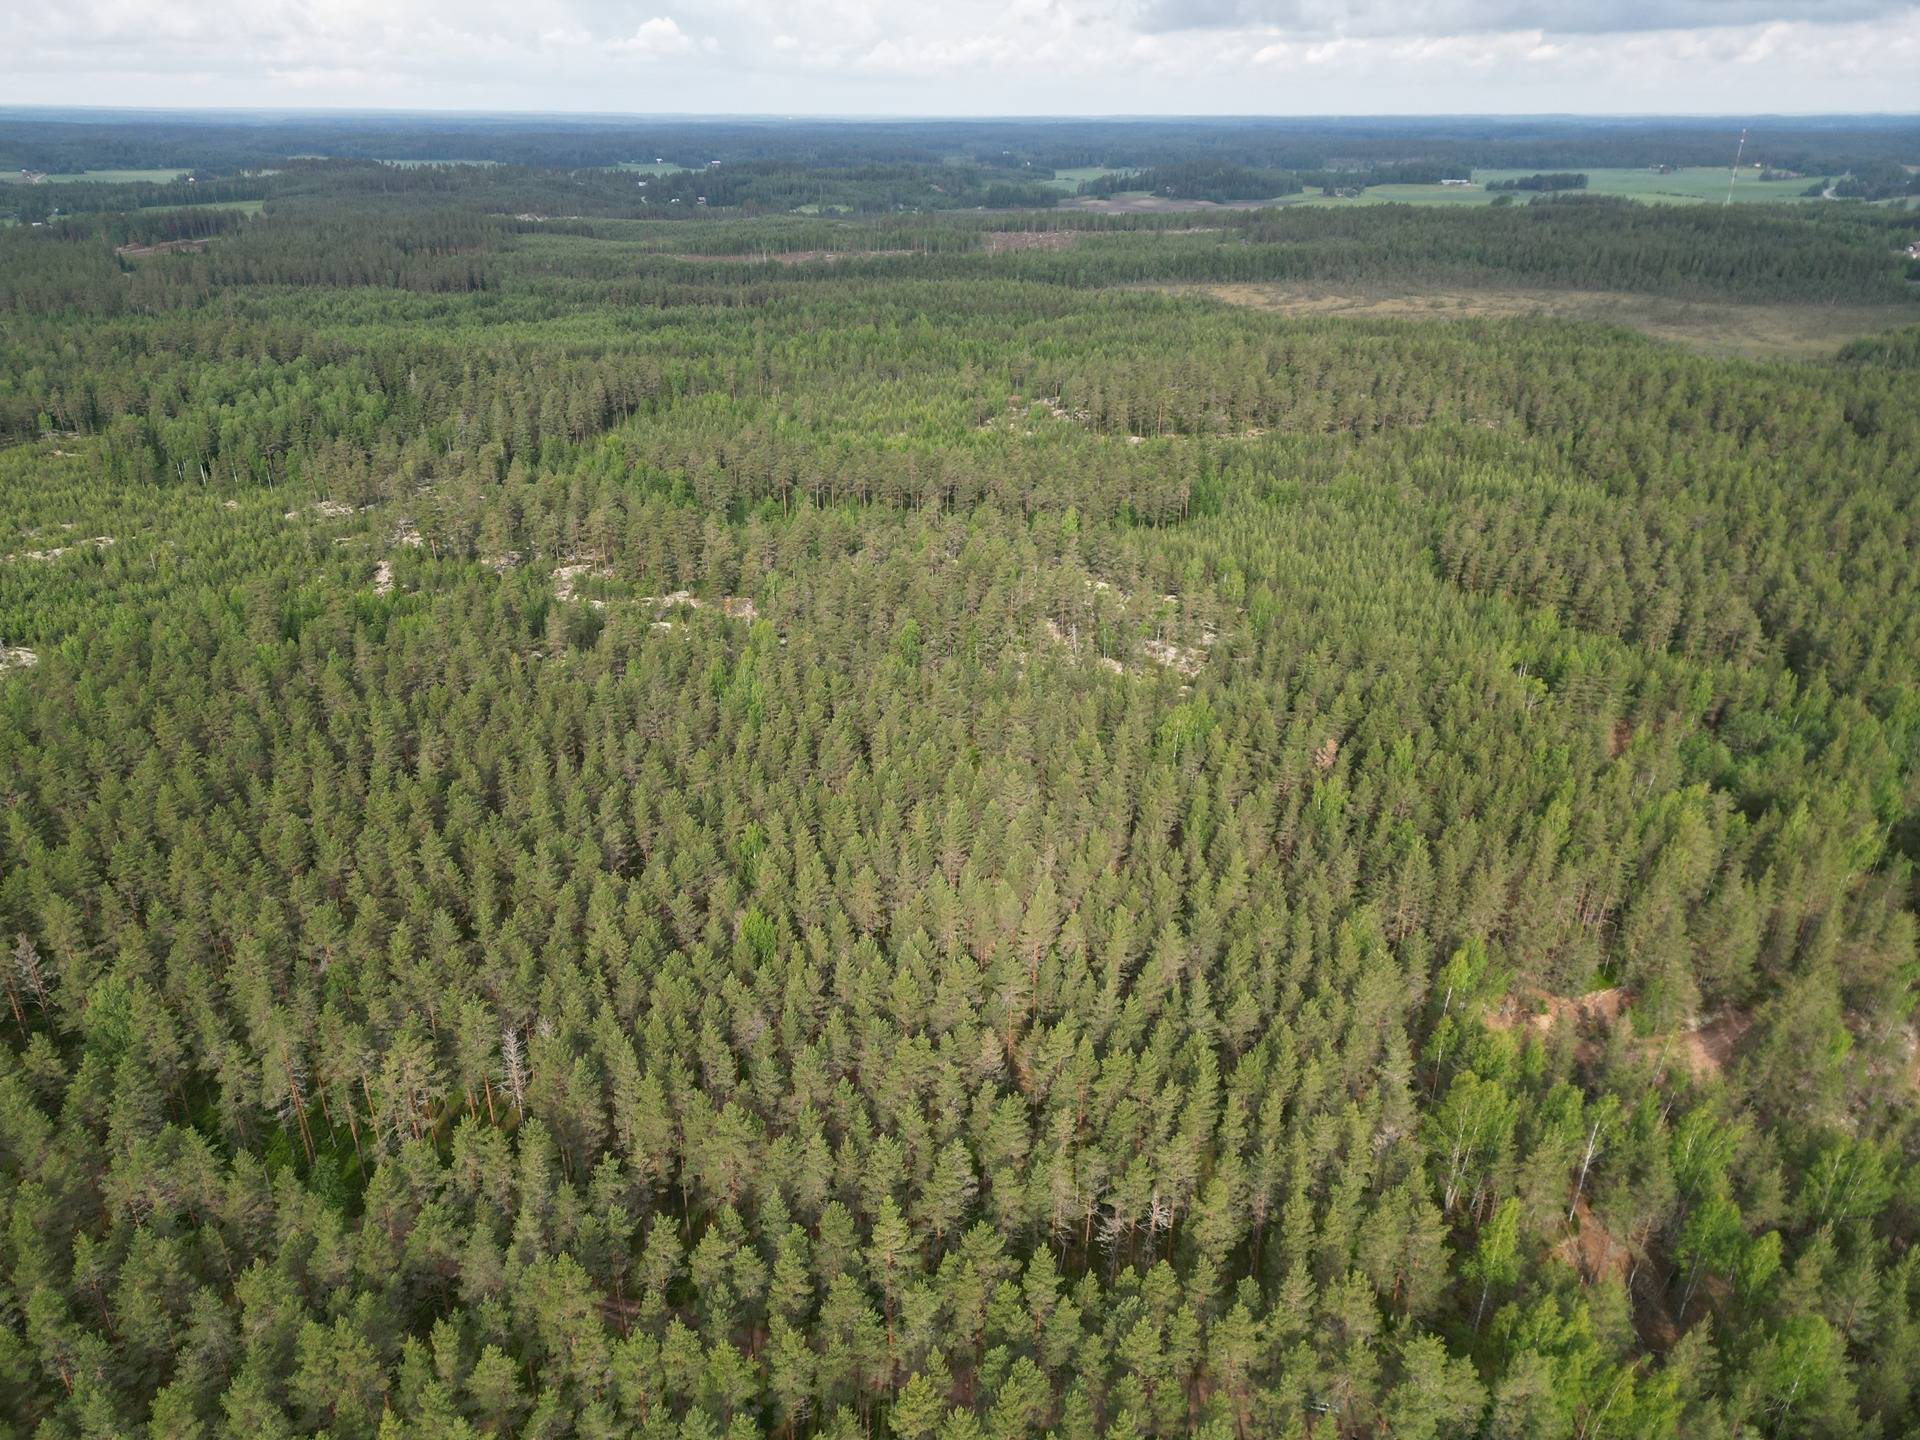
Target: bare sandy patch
<point>996,242</point>
<point>325,509</point>
<point>1706,1048</point>
<point>1701,1049</point>
<point>566,580</point>
<point>1591,1249</point>
<point>54,552</point>
<point>734,607</point>
<point>161,247</point>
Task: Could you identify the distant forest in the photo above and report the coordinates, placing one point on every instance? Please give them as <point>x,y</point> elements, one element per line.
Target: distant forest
<point>54,140</point>
<point>639,169</point>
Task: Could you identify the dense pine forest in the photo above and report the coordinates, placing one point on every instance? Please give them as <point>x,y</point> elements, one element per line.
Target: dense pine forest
<point>756,823</point>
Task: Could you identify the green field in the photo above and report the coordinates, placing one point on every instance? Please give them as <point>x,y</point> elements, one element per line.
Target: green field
<point>103,177</point>
<point>1677,187</point>
<point>1072,179</point>
<point>650,167</point>
<point>1700,184</point>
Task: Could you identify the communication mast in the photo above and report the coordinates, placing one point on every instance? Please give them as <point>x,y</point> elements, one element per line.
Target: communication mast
<point>1734,173</point>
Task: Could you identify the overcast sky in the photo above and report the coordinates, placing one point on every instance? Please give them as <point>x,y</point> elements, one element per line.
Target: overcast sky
<point>970,57</point>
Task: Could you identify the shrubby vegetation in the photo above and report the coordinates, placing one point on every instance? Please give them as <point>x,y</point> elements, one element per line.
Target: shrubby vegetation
<point>1875,180</point>
<point>611,834</point>
<point>1200,181</point>
<point>1560,180</point>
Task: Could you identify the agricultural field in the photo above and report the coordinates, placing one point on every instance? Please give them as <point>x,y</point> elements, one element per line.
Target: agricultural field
<point>1698,183</point>
<point>1070,180</point>
<point>1695,185</point>
<point>103,177</point>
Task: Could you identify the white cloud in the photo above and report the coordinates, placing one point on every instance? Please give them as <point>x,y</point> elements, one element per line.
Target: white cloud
<point>1767,44</point>
<point>657,38</point>
<point>1470,17</point>
<point>332,78</point>
<point>972,56</point>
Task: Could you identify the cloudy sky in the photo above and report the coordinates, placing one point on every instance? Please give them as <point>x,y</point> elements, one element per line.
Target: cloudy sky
<point>971,57</point>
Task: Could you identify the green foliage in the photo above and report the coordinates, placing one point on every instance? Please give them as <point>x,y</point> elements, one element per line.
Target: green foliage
<point>607,834</point>
<point>1561,180</point>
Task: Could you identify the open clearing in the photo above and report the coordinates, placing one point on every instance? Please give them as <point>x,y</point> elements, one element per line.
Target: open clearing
<point>1072,179</point>
<point>162,247</point>
<point>245,207</point>
<point>1713,327</point>
<point>1135,202</point>
<point>1397,195</point>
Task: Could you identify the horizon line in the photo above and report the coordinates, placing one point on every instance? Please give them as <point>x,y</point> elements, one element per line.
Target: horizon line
<point>934,117</point>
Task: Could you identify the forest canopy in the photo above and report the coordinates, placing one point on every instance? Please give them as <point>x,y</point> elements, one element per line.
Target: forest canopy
<point>772,822</point>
